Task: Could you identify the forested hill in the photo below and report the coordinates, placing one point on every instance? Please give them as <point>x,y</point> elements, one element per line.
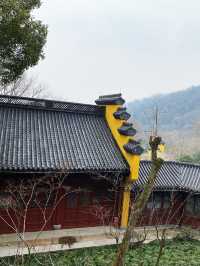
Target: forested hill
<point>179,110</point>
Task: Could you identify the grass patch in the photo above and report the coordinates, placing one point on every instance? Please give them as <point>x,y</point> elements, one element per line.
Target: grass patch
<point>176,253</point>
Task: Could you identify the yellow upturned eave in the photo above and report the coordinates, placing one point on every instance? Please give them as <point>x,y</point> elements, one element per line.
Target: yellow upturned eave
<point>115,124</point>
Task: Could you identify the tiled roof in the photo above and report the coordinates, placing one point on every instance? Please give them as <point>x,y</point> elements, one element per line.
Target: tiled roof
<point>172,176</point>
<point>42,135</point>
<point>190,177</point>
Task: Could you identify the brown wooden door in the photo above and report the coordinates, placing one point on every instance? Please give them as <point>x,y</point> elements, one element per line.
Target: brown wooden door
<point>76,210</point>
<point>80,209</point>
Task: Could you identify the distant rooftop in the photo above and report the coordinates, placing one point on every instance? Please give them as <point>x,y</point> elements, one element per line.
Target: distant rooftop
<point>172,176</point>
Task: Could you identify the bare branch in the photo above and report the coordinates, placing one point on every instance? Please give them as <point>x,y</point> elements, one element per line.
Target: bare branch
<point>24,86</point>
<point>140,202</point>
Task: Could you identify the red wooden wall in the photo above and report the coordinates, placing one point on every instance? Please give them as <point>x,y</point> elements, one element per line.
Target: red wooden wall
<point>87,203</point>
<point>91,202</point>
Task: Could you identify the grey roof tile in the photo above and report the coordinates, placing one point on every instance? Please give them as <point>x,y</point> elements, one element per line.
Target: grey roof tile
<point>73,138</point>
<point>172,175</point>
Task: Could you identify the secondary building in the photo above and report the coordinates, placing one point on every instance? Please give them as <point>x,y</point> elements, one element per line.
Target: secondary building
<point>176,195</point>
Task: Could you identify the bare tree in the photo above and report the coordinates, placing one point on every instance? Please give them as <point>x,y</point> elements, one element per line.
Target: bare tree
<point>42,193</point>
<point>162,220</point>
<point>140,202</point>
<point>24,86</point>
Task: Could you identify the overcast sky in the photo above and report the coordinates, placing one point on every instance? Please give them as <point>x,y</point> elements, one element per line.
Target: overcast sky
<point>137,47</point>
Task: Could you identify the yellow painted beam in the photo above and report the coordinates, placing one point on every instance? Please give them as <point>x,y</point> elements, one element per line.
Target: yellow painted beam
<point>133,160</point>
<point>125,208</point>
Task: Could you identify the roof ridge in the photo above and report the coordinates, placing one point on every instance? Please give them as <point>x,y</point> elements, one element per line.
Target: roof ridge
<point>176,162</point>
<point>49,104</point>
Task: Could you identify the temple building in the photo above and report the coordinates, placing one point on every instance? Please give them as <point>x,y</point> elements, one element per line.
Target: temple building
<point>67,165</point>
<point>62,163</point>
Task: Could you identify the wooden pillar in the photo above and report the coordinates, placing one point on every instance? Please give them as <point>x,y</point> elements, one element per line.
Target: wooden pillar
<point>125,207</point>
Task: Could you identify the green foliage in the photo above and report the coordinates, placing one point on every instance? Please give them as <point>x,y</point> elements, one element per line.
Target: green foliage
<point>21,38</point>
<point>194,158</point>
<point>185,159</point>
<point>176,253</point>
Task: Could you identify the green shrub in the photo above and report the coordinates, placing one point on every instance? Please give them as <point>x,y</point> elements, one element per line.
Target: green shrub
<point>176,253</point>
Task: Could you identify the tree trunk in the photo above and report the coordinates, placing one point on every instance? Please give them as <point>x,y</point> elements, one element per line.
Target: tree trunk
<point>140,202</point>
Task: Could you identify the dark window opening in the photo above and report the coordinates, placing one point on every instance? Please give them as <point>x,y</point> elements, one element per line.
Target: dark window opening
<point>193,205</point>
<point>84,199</point>
<point>72,200</point>
<point>103,196</point>
<point>166,200</point>
<point>159,200</point>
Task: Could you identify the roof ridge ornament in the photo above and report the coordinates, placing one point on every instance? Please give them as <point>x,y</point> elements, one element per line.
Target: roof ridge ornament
<point>111,99</point>
<point>133,147</point>
<point>127,129</point>
<point>123,131</point>
<point>121,114</point>
<point>110,95</point>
